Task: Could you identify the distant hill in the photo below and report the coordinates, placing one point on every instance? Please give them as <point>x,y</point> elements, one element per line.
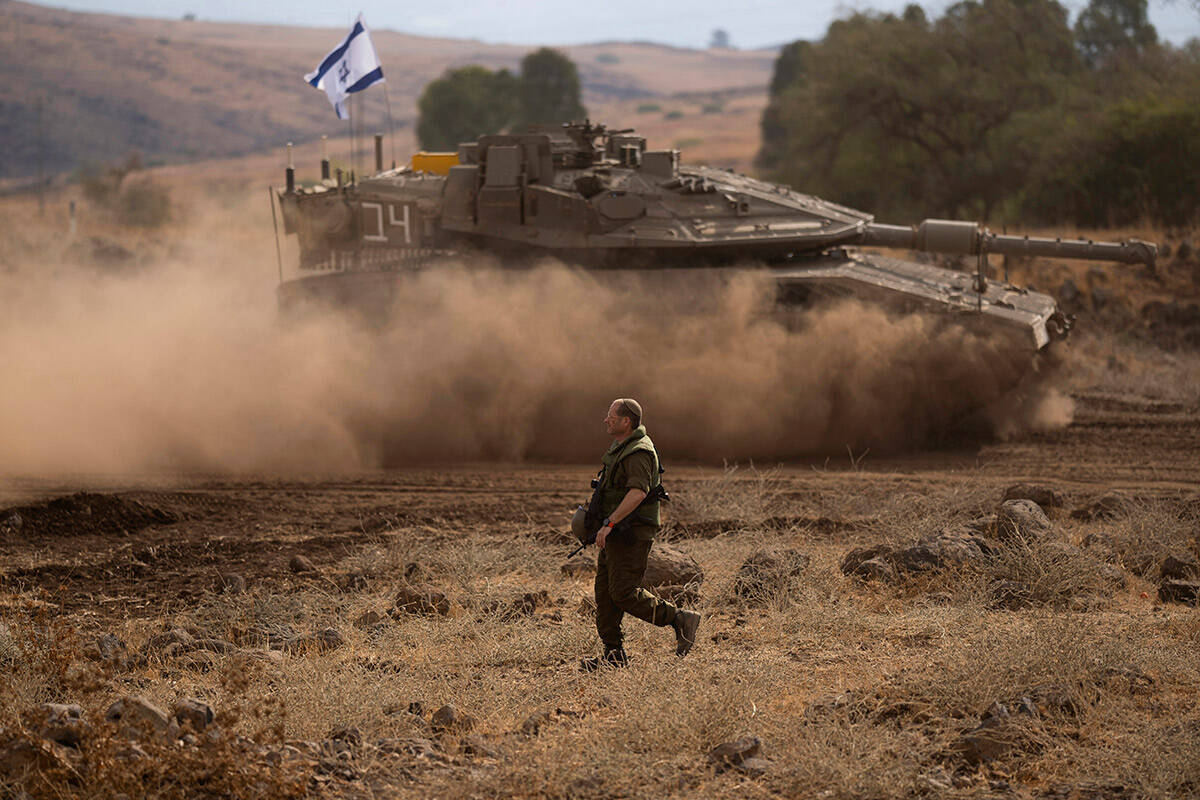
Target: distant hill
<point>182,90</point>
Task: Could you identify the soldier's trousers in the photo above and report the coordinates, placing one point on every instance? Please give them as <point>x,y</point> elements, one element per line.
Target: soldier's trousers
<point>619,571</point>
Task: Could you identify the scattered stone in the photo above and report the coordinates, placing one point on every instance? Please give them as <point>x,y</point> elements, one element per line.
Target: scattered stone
<point>1179,567</point>
<point>982,526</point>
<point>62,724</point>
<point>196,713</point>
<point>214,645</point>
<point>106,648</point>
<point>137,715</point>
<point>230,583</point>
<point>1108,506</point>
<point>258,655</point>
<point>353,582</point>
<point>769,571</point>
<point>992,739</point>
<point>1044,496</point>
<point>532,725</point>
<point>876,569</point>
<point>198,661</point>
<point>523,605</point>
<point>175,636</point>
<point>735,754</point>
<point>420,748</point>
<point>448,719</point>
<point>586,607</point>
<point>856,557</point>
<point>420,600</point>
<point>1113,575</point>
<point>21,756</point>
<point>579,565</point>
<point>302,566</point>
<point>1021,519</point>
<point>1177,591</point>
<point>1101,545</point>
<point>669,566</point>
<point>918,558</point>
<point>368,618</point>
<point>959,544</point>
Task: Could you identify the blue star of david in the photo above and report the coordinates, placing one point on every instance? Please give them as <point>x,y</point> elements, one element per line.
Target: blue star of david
<point>343,72</point>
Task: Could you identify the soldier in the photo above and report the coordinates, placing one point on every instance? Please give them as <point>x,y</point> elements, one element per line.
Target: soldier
<point>630,472</point>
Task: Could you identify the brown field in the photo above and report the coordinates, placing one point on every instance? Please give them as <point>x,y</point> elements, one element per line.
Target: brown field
<point>166,452</point>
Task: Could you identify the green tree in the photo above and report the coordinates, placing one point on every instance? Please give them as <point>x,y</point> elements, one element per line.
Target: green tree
<point>465,103</point>
<point>909,117</point>
<point>1109,27</point>
<point>787,75</point>
<point>549,89</point>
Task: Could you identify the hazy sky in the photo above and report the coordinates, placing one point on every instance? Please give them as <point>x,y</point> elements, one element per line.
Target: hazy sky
<point>686,23</point>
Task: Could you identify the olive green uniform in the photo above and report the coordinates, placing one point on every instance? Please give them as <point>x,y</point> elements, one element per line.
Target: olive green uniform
<point>629,464</point>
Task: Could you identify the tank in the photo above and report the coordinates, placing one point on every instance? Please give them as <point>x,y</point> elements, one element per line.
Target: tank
<point>599,198</point>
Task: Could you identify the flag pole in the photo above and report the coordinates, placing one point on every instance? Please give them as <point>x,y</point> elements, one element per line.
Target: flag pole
<point>350,118</point>
<point>391,129</point>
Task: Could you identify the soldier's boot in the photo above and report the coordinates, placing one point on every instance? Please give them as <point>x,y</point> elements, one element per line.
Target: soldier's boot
<point>685,624</point>
<point>613,657</point>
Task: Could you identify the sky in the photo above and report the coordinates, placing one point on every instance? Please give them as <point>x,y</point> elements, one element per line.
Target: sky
<point>684,23</point>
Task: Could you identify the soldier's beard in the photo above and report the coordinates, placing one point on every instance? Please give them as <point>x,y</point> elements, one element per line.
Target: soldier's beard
<point>183,367</point>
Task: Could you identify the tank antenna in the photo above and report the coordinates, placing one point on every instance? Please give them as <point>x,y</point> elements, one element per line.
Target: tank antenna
<point>275,224</point>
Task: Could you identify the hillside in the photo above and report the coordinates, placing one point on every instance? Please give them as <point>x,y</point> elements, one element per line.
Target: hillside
<point>179,90</point>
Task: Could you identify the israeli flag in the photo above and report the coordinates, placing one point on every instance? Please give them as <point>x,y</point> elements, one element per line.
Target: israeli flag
<point>350,67</point>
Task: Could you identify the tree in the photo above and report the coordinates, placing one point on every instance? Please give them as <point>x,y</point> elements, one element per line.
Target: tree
<point>720,40</point>
<point>465,103</point>
<point>908,117</point>
<point>788,75</point>
<point>549,89</point>
<point>1109,27</point>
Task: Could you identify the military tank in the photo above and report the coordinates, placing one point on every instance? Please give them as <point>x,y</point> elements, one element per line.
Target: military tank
<point>596,197</point>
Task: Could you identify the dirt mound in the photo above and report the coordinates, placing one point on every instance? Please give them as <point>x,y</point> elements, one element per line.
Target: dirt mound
<point>84,513</point>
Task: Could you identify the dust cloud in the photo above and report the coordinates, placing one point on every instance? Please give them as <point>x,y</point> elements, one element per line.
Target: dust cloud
<point>183,365</point>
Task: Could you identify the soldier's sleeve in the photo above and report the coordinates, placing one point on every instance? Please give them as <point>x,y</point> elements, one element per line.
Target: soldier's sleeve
<point>638,469</point>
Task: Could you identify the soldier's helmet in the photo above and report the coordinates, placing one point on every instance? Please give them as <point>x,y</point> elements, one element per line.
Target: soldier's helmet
<point>579,524</point>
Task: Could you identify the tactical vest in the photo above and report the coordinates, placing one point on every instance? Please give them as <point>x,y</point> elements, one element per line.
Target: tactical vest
<point>610,497</point>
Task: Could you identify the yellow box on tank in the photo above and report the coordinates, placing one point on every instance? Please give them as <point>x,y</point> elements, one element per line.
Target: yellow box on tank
<point>437,163</point>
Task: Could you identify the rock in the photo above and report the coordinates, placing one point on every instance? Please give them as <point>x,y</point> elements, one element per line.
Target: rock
<point>1044,496</point>
<point>586,607</point>
<point>959,545</point>
<point>420,748</point>
<point>769,571</point>
<point>368,618</point>
<point>199,715</point>
<point>1113,575</point>
<point>1108,506</point>
<point>1179,567</point>
<point>198,661</point>
<point>856,557</point>
<point>420,600</point>
<point>62,724</point>
<point>137,715</point>
<point>1021,520</point>
<point>828,704</point>
<point>918,558</point>
<point>1068,293</point>
<point>992,739</point>
<point>579,565</point>
<point>734,753</point>
<point>175,636</point>
<point>534,722</point>
<point>753,767</point>
<point>21,756</point>
<point>1177,591</point>
<point>260,656</point>
<point>669,566</point>
<point>106,648</point>
<point>302,566</point>
<point>1101,545</point>
<point>353,582</point>
<point>876,569</point>
<point>321,641</point>
<point>214,645</point>
<point>448,719</point>
<point>229,583</point>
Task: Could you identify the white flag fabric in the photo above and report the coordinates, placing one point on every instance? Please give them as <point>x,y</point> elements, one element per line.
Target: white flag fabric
<point>350,67</point>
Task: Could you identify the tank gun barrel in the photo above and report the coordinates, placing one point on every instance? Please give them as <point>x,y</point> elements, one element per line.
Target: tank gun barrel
<point>969,238</point>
